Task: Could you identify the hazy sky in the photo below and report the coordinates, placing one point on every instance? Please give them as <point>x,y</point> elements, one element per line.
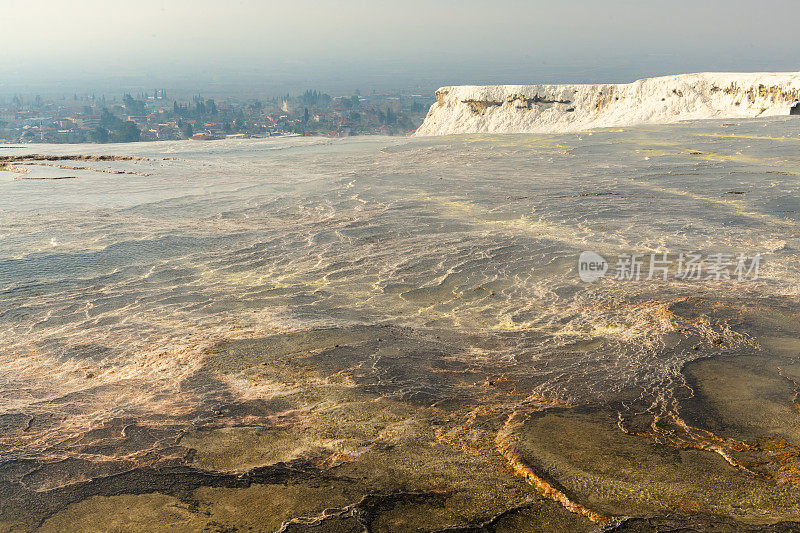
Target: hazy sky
<point>355,43</point>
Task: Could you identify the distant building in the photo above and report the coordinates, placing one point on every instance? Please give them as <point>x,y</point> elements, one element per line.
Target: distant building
<point>88,121</point>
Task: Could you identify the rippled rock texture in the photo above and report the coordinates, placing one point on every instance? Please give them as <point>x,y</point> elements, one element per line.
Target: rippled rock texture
<point>391,335</point>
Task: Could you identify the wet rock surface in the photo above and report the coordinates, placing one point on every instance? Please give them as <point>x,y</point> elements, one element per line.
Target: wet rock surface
<point>312,336</point>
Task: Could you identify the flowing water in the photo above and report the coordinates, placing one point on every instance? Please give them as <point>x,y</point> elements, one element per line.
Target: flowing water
<point>245,333</point>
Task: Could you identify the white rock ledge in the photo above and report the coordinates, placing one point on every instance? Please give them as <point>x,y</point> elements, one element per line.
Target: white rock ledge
<point>565,108</point>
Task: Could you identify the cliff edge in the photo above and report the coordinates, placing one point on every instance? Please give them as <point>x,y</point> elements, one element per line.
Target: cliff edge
<point>565,108</point>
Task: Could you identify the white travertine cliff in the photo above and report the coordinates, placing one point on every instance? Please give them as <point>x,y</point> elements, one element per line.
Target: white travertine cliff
<point>565,108</point>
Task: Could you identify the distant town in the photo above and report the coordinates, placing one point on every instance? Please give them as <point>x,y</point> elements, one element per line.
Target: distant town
<point>156,117</point>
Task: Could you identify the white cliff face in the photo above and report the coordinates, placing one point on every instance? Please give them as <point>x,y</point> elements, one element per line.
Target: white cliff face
<point>564,108</point>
